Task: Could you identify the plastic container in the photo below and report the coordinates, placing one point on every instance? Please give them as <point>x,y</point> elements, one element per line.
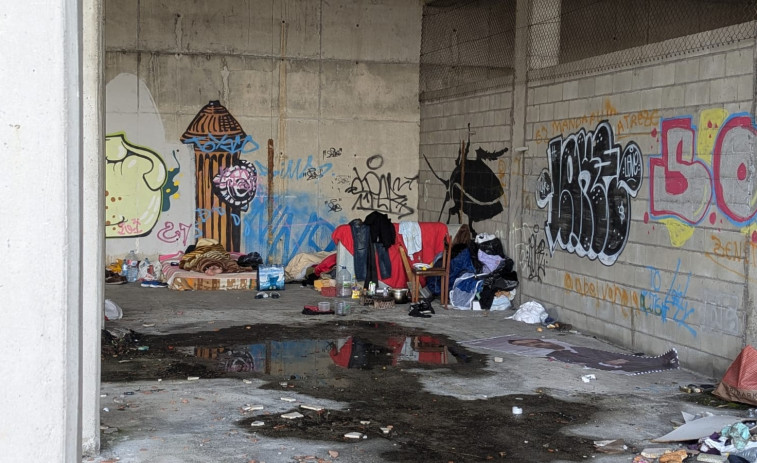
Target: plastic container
<point>324,306</point>
<point>132,264</point>
<point>343,283</point>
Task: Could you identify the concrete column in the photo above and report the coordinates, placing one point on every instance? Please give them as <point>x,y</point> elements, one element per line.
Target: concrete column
<point>41,231</point>
<point>518,126</point>
<point>544,33</point>
<point>93,218</point>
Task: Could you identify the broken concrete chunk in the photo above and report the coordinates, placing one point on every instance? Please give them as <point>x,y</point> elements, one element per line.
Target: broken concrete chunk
<point>251,408</point>
<point>292,415</point>
<point>312,407</point>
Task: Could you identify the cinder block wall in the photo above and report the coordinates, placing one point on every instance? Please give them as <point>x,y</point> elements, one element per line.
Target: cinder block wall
<point>639,181</point>
<point>444,131</point>
<point>331,86</point>
<point>656,165</point>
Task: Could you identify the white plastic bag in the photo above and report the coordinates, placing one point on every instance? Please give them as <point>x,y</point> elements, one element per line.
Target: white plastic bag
<point>530,312</point>
<point>112,310</point>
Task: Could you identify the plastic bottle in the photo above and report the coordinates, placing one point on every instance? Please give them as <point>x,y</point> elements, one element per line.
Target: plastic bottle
<point>343,283</point>
<point>133,269</point>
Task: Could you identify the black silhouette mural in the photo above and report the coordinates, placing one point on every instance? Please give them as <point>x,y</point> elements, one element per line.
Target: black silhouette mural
<point>473,187</point>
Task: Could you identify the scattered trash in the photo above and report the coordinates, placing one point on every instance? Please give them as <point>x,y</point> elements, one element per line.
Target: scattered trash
<point>655,452</point>
<point>673,457</point>
<point>517,411</point>
<point>192,378</point>
<point>355,435</point>
<point>289,399</point>
<point>333,453</point>
<point>143,348</point>
<point>738,433</point>
<point>499,359</point>
<point>530,312</point>
<point>587,378</point>
<point>312,407</point>
<point>252,408</point>
<point>292,415</point>
<point>247,381</point>
<point>112,310</point>
<point>257,423</point>
<point>695,429</point>
<point>148,325</point>
<point>106,409</point>
<point>283,384</point>
<point>365,422</point>
<point>386,430</point>
<point>610,446</point>
<point>709,458</point>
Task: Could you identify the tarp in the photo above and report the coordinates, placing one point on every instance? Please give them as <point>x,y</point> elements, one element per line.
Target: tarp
<point>739,384</point>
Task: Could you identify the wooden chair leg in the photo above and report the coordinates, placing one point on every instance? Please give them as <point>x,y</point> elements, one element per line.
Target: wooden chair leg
<point>416,289</point>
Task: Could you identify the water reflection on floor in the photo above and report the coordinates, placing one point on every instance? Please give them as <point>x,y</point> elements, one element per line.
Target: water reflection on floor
<point>311,358</point>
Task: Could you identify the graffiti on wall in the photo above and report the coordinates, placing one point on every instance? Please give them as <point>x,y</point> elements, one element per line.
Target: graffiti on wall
<point>381,192</point>
<point>474,189</point>
<point>296,169</point>
<point>533,253</point>
<point>587,190</point>
<point>705,170</point>
<point>224,181</point>
<point>295,227</point>
<point>670,303</point>
<point>134,179</point>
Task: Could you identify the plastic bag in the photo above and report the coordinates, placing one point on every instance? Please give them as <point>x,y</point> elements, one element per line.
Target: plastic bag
<point>112,310</point>
<point>146,271</point>
<point>530,312</point>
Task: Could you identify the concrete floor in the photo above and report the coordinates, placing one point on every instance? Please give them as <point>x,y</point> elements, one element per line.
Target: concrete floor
<point>193,421</point>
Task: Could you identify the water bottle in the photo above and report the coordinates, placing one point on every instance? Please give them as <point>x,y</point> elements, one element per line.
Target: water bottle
<point>343,283</point>
<point>133,269</point>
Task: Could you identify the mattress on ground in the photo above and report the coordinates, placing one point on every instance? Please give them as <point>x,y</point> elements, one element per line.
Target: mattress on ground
<point>184,280</point>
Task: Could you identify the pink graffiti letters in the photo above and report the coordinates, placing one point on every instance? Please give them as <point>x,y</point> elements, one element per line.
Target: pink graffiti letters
<point>683,186</point>
<point>169,233</point>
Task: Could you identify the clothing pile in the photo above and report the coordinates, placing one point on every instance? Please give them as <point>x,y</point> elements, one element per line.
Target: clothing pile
<point>480,273</point>
<point>209,256</point>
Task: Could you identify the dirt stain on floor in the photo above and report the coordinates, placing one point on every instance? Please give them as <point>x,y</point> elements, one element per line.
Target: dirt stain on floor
<point>372,368</point>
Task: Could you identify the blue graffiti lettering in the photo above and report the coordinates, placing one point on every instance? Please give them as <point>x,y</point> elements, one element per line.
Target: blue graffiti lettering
<point>295,228</point>
<point>295,169</point>
<point>233,145</point>
<point>671,305</point>
<point>204,214</point>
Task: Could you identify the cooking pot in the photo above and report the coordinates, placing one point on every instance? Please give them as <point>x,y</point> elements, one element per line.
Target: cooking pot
<point>400,295</point>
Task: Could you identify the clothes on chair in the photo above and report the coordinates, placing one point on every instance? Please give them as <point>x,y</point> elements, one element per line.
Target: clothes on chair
<point>382,237</point>
<point>411,235</point>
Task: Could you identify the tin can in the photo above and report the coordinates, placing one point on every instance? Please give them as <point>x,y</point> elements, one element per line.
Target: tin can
<point>371,288</point>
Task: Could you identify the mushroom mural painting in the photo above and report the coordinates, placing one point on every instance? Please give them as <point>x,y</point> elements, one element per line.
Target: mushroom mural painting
<point>225,184</point>
<point>134,176</point>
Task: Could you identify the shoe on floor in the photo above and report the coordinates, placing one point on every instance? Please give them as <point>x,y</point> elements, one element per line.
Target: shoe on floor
<point>115,279</point>
<point>415,311</point>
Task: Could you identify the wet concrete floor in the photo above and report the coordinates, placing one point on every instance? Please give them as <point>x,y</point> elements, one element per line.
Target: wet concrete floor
<point>200,376</point>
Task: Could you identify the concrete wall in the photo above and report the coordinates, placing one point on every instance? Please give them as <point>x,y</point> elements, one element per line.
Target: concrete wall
<point>330,86</point>
<point>638,217</point>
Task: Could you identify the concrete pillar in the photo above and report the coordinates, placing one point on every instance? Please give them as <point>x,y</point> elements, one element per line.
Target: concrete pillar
<point>544,33</point>
<point>41,232</point>
<point>518,126</point>
<point>93,219</point>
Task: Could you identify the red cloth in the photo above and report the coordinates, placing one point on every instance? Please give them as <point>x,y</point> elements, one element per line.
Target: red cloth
<point>432,235</point>
<point>326,264</point>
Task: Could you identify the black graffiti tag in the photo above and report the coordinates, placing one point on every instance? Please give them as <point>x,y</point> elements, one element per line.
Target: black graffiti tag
<point>587,189</point>
<point>381,192</point>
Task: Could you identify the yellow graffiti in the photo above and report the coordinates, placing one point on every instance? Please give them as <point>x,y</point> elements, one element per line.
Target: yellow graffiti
<point>679,232</point>
<point>602,291</point>
<point>710,121</point>
<point>732,252</point>
<point>623,125</point>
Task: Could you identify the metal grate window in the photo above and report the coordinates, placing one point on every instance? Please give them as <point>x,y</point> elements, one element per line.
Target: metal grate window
<point>471,41</point>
